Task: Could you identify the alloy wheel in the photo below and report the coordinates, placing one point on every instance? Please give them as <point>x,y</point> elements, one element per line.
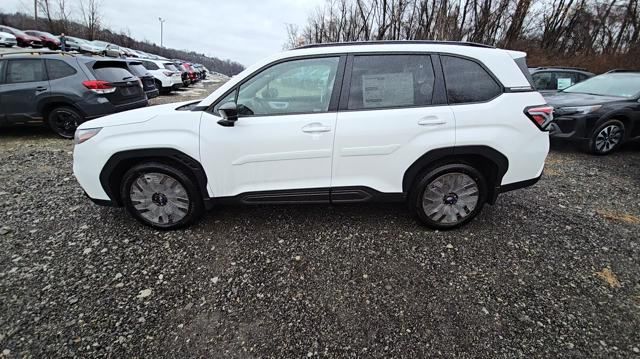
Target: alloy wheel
<point>64,123</point>
<point>608,138</point>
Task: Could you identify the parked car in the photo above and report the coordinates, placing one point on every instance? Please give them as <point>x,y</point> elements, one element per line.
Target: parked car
<point>330,124</point>
<point>186,80</point>
<point>556,78</point>
<point>167,76</point>
<point>148,82</point>
<point>193,77</point>
<point>23,39</point>
<point>600,113</point>
<point>7,39</point>
<point>108,49</point>
<point>64,90</point>
<point>81,45</point>
<point>47,39</point>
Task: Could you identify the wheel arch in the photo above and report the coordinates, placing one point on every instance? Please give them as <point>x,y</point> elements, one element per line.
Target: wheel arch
<point>49,104</point>
<point>490,162</point>
<point>114,169</point>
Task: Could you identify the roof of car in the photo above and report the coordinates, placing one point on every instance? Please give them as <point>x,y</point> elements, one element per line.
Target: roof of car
<point>567,68</point>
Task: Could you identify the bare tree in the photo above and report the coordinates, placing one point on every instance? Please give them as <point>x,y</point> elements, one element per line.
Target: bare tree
<point>91,17</point>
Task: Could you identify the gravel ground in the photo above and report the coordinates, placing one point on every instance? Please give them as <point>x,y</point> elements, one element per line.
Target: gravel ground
<point>549,271</point>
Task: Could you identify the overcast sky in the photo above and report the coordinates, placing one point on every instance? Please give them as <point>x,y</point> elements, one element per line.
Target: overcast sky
<point>240,30</point>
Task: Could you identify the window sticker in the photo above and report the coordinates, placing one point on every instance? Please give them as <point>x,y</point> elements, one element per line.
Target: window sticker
<point>563,83</point>
<point>387,90</point>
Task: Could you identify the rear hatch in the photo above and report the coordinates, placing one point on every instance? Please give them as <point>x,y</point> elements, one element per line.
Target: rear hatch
<point>115,73</point>
<point>141,72</point>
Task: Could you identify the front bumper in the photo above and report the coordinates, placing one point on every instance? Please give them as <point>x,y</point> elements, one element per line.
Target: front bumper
<point>574,128</point>
<point>9,42</point>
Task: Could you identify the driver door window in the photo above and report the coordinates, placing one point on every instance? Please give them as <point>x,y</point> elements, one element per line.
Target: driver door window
<point>293,87</point>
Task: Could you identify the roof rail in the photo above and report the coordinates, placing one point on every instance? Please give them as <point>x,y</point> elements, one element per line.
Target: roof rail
<point>562,67</point>
<point>620,70</point>
<point>395,42</point>
<point>37,53</point>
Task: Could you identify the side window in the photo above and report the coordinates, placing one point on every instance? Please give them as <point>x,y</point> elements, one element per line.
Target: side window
<point>467,81</point>
<point>298,86</point>
<point>31,70</point>
<point>58,69</point>
<point>150,65</point>
<point>565,79</point>
<point>2,66</point>
<point>543,81</point>
<point>379,81</point>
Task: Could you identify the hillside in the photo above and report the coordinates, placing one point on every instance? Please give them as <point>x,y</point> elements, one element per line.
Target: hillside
<point>73,28</point>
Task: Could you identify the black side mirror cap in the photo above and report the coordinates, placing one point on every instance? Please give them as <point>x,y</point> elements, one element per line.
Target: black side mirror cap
<point>229,114</point>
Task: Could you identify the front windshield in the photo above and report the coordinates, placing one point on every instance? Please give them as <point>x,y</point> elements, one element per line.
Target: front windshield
<point>619,85</point>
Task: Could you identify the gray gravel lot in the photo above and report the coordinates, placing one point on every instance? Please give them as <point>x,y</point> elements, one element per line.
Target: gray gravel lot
<point>550,271</point>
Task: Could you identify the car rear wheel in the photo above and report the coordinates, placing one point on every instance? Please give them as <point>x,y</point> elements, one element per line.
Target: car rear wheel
<point>448,196</point>
<point>607,137</point>
<point>64,121</point>
<point>161,196</point>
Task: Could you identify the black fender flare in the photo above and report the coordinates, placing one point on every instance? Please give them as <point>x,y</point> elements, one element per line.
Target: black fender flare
<point>118,163</point>
<point>442,154</point>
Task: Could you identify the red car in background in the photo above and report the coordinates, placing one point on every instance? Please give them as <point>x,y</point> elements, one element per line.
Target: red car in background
<point>192,73</point>
<point>23,39</point>
<point>48,40</point>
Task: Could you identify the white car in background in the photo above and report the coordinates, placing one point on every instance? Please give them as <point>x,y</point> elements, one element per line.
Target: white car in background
<point>7,39</point>
<point>81,45</point>
<point>167,75</point>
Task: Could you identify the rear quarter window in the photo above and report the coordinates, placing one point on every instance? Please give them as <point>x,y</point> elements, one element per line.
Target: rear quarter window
<point>57,69</point>
<point>467,81</point>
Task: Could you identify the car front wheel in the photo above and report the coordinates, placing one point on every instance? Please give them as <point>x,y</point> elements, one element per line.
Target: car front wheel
<point>607,137</point>
<point>449,196</point>
<point>161,196</point>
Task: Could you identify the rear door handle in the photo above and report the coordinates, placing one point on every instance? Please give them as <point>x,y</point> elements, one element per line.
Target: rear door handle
<point>431,121</point>
<point>41,88</point>
<point>316,128</point>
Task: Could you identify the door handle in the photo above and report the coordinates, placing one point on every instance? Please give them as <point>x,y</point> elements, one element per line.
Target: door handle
<point>316,128</point>
<point>431,121</point>
<point>41,88</point>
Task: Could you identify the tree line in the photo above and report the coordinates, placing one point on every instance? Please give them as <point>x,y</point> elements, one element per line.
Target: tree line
<point>86,21</point>
<point>597,34</point>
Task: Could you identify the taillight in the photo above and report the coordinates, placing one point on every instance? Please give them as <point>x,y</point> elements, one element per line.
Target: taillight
<point>99,86</point>
<point>541,116</point>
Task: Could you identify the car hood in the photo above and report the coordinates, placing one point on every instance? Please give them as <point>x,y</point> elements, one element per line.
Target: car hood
<point>133,116</point>
<point>565,99</point>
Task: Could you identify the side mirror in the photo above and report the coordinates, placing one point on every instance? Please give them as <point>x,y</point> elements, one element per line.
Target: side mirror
<point>229,113</point>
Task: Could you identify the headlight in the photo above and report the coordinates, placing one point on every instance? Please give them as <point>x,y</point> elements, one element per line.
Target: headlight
<point>85,134</point>
<point>581,109</point>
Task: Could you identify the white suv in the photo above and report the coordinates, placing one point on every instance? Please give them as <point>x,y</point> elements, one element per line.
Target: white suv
<point>445,127</point>
<point>165,73</point>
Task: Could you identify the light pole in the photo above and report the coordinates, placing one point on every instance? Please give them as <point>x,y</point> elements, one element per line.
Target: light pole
<point>161,30</point>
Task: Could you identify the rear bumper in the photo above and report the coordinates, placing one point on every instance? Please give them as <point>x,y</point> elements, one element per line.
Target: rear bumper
<point>152,93</point>
<point>99,108</point>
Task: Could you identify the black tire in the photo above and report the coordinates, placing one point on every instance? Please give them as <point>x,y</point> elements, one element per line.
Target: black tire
<point>131,187</point>
<point>423,207</point>
<point>64,120</point>
<point>606,138</point>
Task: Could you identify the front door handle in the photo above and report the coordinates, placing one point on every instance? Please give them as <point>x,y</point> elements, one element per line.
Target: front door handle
<point>41,88</point>
<point>316,128</point>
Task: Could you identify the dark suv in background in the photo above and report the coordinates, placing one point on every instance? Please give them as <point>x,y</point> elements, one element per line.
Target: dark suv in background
<point>555,78</point>
<point>148,82</point>
<point>64,90</point>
